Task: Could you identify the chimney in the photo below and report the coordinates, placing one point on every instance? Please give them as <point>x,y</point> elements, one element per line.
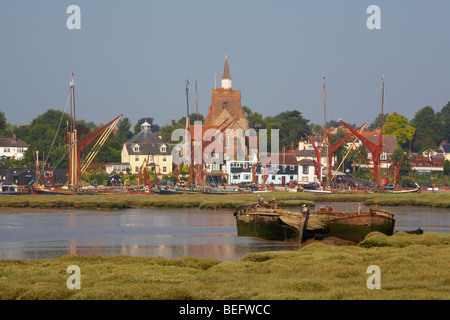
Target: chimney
<point>14,138</point>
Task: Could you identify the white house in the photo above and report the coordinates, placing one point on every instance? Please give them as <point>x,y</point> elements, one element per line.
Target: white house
<point>12,148</point>
<point>306,171</point>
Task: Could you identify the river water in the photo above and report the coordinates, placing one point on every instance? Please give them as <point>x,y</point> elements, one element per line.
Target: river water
<point>171,233</point>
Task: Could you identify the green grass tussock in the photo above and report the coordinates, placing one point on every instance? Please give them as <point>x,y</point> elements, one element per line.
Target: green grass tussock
<point>412,267</point>
<point>403,239</point>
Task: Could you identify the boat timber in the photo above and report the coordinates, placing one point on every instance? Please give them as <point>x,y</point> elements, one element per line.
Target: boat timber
<point>266,221</point>
<point>355,226</point>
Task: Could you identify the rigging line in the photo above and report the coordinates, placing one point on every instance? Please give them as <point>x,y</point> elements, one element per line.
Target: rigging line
<point>79,110</point>
<point>388,103</point>
<point>60,159</point>
<point>54,137</point>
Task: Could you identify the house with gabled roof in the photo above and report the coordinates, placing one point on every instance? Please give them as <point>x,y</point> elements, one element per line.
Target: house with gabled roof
<point>149,148</point>
<point>12,148</point>
<point>445,147</point>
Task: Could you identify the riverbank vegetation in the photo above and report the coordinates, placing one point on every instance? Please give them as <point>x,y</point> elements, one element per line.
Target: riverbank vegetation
<point>411,267</point>
<point>229,202</point>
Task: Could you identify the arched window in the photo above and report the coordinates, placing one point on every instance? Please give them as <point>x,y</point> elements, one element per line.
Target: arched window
<point>225,105</point>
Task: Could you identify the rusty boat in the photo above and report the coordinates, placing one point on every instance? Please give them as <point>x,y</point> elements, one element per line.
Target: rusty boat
<point>265,220</point>
<point>353,226</point>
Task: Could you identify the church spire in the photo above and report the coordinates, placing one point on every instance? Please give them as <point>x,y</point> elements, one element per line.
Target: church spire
<point>226,78</point>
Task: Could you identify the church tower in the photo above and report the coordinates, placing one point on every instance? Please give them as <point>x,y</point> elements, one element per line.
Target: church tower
<point>226,104</point>
<point>226,78</point>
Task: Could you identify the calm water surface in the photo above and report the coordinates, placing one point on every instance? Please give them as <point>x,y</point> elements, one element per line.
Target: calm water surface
<point>26,234</point>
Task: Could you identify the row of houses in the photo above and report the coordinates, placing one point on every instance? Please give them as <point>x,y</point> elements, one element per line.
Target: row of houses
<point>146,149</point>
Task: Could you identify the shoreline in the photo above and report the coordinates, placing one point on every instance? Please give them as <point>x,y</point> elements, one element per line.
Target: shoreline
<point>218,202</point>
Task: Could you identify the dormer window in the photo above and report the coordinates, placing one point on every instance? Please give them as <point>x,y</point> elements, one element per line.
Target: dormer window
<point>163,148</point>
<point>136,148</point>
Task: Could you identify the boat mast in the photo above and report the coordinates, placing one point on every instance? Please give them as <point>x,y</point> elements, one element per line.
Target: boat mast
<point>380,139</point>
<point>196,98</point>
<point>326,137</point>
<point>188,137</point>
<point>73,176</point>
<point>199,165</point>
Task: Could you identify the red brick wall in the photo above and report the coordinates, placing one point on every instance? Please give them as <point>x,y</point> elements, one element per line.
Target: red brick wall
<point>221,96</point>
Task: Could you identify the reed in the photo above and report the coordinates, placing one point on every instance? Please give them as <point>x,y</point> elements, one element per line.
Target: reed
<point>412,267</point>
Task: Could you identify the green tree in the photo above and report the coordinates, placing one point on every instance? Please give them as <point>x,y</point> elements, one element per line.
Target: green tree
<point>291,125</point>
<point>255,119</point>
<point>444,116</point>
<point>2,123</point>
<point>123,130</point>
<point>397,125</point>
<point>166,131</point>
<point>428,128</point>
<point>405,167</point>
<point>377,122</point>
<point>447,168</point>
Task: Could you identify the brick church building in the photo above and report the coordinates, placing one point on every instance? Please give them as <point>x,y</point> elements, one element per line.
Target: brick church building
<point>226,104</point>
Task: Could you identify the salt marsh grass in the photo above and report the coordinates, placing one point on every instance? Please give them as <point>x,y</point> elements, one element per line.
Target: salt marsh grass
<point>412,267</point>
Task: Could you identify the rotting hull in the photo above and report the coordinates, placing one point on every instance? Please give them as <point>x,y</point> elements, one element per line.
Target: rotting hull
<point>262,221</point>
<point>266,227</point>
<point>356,227</point>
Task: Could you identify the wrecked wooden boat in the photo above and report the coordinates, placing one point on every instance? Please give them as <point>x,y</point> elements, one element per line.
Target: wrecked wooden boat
<point>355,226</point>
<point>264,220</point>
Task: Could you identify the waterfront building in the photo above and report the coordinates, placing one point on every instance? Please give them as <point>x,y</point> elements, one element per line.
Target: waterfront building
<point>12,148</point>
<point>147,147</point>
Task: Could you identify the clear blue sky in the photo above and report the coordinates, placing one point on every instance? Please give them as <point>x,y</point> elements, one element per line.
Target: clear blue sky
<point>133,57</point>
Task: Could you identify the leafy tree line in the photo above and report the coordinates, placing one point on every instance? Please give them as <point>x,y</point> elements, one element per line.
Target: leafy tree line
<point>46,133</point>
<point>426,130</point>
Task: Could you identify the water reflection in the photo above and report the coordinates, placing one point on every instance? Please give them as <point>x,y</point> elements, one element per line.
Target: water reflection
<point>168,233</point>
<point>135,232</point>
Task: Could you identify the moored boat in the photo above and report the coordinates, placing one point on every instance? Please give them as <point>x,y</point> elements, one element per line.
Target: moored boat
<point>9,189</point>
<point>52,191</point>
<point>75,146</point>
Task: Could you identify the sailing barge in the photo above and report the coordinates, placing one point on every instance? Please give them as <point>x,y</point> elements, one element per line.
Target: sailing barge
<point>75,146</point>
